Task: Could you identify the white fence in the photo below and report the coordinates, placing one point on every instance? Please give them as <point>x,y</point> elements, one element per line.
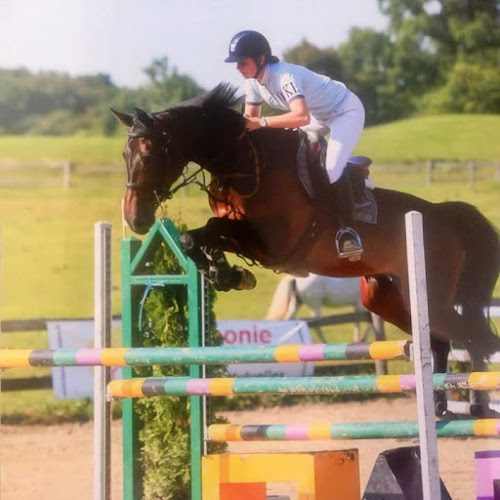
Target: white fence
<point>49,174</point>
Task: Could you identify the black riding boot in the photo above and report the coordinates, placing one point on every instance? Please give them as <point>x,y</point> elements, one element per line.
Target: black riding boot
<point>341,204</point>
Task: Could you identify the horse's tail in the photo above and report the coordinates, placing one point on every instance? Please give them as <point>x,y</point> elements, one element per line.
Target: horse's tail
<point>481,243</point>
<point>284,301</point>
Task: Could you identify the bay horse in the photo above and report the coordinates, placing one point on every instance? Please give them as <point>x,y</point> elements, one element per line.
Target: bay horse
<point>263,213</point>
<point>316,292</point>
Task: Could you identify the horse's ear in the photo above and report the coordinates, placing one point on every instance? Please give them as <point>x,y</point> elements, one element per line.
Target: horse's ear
<point>124,118</point>
<point>145,118</point>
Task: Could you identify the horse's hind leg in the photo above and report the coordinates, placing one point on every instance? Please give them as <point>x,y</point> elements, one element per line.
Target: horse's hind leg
<point>383,296</point>
<point>461,330</point>
<point>440,351</point>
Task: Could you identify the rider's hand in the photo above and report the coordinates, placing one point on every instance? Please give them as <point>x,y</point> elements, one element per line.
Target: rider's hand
<point>252,123</point>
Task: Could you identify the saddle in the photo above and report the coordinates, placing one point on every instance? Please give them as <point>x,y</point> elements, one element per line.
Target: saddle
<point>311,158</point>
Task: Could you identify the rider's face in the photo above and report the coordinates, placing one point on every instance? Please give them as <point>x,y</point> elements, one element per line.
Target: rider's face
<point>247,67</point>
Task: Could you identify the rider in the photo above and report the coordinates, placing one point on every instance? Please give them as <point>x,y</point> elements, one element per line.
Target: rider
<point>313,102</point>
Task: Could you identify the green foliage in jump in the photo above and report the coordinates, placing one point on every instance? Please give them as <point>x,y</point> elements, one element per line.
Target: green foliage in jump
<point>165,451</point>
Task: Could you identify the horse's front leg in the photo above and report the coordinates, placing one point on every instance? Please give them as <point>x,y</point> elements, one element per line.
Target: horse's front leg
<point>206,247</point>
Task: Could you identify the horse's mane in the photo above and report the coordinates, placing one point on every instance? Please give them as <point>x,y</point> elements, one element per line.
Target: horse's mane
<point>222,96</point>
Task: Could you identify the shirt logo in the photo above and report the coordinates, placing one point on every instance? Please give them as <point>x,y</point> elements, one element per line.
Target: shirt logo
<point>289,89</point>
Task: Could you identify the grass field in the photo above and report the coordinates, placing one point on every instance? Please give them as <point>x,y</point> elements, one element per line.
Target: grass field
<point>444,137</point>
<point>47,231</point>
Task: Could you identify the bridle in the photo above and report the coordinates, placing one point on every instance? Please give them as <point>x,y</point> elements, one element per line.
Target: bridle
<point>147,134</point>
<point>167,193</point>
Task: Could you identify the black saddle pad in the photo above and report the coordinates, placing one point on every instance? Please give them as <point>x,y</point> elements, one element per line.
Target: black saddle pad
<point>312,173</point>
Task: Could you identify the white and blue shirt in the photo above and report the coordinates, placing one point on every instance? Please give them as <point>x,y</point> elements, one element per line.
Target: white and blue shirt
<point>283,82</point>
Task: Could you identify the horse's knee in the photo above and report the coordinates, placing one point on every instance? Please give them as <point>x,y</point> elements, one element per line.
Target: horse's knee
<point>193,250</point>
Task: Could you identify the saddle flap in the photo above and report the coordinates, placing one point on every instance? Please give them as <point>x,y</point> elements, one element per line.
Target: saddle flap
<point>311,158</point>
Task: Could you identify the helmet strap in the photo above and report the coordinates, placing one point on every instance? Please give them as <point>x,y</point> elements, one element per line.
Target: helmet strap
<point>259,65</point>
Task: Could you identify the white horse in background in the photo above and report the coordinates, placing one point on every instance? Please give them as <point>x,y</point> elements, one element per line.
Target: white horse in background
<point>317,291</point>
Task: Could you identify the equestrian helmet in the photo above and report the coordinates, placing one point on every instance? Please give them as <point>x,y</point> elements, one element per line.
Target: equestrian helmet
<point>249,43</point>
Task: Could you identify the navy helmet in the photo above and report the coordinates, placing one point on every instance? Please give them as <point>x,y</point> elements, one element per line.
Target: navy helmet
<point>249,43</point>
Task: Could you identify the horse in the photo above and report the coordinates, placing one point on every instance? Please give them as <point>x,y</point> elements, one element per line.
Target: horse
<point>263,213</point>
<point>317,291</point>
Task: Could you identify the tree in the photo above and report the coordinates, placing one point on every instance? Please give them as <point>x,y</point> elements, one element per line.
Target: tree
<point>464,30</point>
<point>324,61</point>
<point>367,61</point>
<point>459,42</point>
<point>470,89</point>
<point>168,87</point>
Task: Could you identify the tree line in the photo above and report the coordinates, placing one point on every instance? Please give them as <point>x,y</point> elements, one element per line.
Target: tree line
<point>437,56</point>
<point>52,103</point>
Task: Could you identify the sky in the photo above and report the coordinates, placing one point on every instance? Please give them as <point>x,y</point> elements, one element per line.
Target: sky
<point>122,37</point>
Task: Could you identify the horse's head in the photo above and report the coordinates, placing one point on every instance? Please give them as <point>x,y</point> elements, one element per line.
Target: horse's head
<point>203,130</point>
<point>151,168</point>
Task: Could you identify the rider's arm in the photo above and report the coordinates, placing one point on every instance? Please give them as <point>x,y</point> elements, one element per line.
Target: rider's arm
<point>298,116</point>
<point>253,109</point>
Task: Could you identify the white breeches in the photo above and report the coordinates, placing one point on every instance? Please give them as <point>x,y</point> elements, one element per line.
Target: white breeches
<point>345,131</point>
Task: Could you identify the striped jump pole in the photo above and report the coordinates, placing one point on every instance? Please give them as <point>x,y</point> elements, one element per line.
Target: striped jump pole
<point>144,356</point>
<point>488,427</point>
<point>355,384</point>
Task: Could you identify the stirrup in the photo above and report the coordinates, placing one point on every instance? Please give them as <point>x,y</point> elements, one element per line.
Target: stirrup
<point>352,248</point>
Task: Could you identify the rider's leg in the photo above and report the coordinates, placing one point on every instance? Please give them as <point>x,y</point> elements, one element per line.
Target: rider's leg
<point>341,204</point>
<point>345,131</point>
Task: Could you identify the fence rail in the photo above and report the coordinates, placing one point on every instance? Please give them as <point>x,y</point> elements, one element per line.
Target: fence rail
<point>67,169</point>
<point>433,170</point>
<point>475,170</point>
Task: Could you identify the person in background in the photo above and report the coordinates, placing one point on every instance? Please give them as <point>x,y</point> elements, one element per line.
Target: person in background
<point>312,102</point>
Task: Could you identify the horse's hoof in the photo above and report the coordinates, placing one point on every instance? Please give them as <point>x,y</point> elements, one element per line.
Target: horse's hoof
<point>246,280</point>
<point>440,404</point>
<point>447,415</point>
<point>481,411</point>
<point>222,280</point>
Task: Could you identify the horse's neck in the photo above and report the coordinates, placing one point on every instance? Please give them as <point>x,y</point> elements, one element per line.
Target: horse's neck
<point>277,147</point>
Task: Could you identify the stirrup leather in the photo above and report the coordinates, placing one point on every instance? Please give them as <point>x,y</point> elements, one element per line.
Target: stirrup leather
<point>352,248</point>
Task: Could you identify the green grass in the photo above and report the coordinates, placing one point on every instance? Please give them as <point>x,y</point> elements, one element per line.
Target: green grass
<point>47,232</point>
<point>442,137</point>
<point>78,150</point>
<point>445,137</point>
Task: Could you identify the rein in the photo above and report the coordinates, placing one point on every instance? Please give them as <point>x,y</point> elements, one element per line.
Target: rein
<point>256,164</point>
<point>192,178</point>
